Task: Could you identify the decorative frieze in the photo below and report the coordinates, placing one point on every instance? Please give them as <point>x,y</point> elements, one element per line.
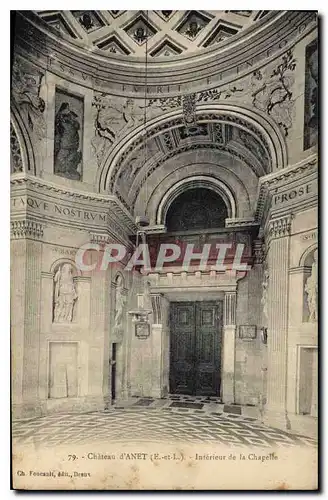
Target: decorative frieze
<point>26,229</point>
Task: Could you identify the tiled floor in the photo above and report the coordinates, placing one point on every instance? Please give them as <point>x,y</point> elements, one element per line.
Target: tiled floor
<point>199,404</point>
<point>157,422</point>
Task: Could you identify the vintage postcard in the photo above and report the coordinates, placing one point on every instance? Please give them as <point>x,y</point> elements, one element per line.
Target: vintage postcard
<point>164,250</point>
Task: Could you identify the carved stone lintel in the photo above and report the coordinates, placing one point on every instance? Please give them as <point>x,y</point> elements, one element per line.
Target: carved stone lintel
<point>26,229</point>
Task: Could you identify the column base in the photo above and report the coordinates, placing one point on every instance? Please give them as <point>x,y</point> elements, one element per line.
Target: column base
<point>228,365</point>
<point>228,393</point>
<point>276,418</point>
<point>26,410</point>
<point>61,405</point>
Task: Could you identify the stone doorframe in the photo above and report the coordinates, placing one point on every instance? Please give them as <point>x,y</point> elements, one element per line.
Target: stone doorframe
<point>221,286</point>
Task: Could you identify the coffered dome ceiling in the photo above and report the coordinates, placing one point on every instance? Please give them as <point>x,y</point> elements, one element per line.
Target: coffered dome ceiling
<point>162,33</point>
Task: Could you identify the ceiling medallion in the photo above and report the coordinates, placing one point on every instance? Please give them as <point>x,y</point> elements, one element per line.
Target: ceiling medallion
<point>193,24</point>
<point>88,19</point>
<point>140,30</point>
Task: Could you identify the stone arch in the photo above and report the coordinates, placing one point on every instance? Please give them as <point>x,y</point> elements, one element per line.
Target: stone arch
<point>193,182</point>
<point>248,118</point>
<point>64,260</point>
<point>306,254</point>
<point>118,276</point>
<point>242,191</point>
<point>24,141</point>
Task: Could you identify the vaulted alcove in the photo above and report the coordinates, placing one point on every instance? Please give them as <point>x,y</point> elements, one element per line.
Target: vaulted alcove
<point>197,208</point>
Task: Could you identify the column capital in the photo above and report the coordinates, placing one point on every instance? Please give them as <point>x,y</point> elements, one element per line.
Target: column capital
<point>24,228</point>
<point>279,227</point>
<point>230,308</point>
<point>156,302</point>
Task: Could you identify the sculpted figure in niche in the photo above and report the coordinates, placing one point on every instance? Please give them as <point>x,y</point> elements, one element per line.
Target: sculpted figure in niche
<point>264,299</point>
<point>311,289</point>
<point>119,304</point>
<point>65,294</point>
<point>67,141</point>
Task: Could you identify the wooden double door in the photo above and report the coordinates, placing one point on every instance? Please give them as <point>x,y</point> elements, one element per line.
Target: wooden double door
<point>195,348</point>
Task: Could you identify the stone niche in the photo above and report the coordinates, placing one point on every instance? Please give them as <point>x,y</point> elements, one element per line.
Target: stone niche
<point>63,370</point>
<point>65,295</point>
<point>68,140</point>
<point>310,288</point>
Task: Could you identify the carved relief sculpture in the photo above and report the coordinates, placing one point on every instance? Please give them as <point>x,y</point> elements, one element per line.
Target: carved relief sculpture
<point>311,96</point>
<point>311,289</point>
<point>65,294</point>
<point>120,300</point>
<point>25,94</point>
<point>16,162</point>
<point>271,91</point>
<point>265,290</point>
<point>67,142</point>
<point>112,120</point>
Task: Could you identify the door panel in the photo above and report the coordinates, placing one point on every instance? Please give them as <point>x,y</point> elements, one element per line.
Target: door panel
<point>195,351</point>
<point>182,347</point>
<point>208,349</point>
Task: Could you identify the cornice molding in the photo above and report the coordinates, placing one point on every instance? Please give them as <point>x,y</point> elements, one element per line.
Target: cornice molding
<point>109,202</point>
<point>268,183</point>
<point>240,222</point>
<point>254,47</point>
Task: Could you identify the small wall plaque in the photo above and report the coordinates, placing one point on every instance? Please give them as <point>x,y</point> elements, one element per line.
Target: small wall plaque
<point>247,332</point>
<point>142,329</point>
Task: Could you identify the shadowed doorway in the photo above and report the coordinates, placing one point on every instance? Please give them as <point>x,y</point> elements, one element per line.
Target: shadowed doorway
<point>195,348</point>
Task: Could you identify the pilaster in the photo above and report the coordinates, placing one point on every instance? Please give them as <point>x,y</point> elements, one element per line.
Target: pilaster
<point>26,252</point>
<point>278,231</point>
<point>229,339</point>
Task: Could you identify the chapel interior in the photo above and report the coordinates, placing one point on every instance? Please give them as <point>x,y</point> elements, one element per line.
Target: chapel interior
<point>165,127</point>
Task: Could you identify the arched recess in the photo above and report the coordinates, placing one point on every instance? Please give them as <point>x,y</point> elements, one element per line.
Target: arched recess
<point>237,178</point>
<point>64,260</point>
<point>196,182</point>
<point>309,252</point>
<point>246,117</point>
<point>24,140</point>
